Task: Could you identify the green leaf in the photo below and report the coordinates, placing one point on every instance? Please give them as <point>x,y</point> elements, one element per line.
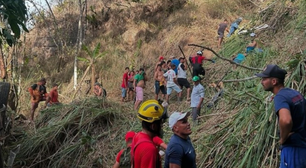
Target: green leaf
<point>83,59</point>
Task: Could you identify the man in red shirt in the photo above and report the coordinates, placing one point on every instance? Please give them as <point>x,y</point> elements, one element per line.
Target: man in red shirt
<point>52,98</point>
<point>128,140</point>
<point>144,151</point>
<point>124,85</point>
<point>196,62</point>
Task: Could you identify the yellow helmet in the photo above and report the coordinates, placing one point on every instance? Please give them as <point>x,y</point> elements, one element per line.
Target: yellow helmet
<point>150,111</point>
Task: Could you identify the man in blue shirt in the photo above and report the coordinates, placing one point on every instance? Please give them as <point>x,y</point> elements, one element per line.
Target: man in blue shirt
<point>197,97</point>
<point>290,110</point>
<point>180,152</point>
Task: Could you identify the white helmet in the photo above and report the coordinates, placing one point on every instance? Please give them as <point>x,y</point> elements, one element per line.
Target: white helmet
<point>199,53</point>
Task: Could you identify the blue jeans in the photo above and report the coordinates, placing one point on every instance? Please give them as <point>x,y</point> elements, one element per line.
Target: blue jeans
<point>293,157</point>
<point>233,28</point>
<point>123,92</point>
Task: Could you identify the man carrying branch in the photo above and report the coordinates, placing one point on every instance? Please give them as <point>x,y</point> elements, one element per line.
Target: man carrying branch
<point>196,62</point>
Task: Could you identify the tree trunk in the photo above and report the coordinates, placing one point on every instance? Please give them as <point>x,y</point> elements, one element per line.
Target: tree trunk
<point>78,88</point>
<point>93,77</point>
<point>2,65</point>
<point>79,44</point>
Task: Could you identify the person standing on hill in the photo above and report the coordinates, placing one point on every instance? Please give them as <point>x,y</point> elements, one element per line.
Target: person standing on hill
<point>172,83</point>
<point>290,108</point>
<point>38,93</point>
<point>131,85</point>
<point>124,84</point>
<point>145,154</point>
<point>160,84</point>
<point>180,152</point>
<point>197,64</point>
<point>197,98</point>
<point>182,76</point>
<point>139,85</point>
<point>234,26</point>
<point>222,27</point>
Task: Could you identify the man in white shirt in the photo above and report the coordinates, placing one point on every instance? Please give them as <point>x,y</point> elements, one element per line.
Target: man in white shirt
<point>197,97</point>
<point>172,83</point>
<point>182,76</point>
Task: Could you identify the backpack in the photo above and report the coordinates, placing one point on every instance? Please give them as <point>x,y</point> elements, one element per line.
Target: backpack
<point>125,158</point>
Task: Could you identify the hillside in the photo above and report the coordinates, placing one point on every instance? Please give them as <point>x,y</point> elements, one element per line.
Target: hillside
<point>238,131</point>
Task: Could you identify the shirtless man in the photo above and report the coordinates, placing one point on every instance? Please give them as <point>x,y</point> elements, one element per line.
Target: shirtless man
<point>139,85</point>
<point>159,82</point>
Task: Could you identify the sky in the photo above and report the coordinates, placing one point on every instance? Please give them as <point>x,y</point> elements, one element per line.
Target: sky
<point>41,5</point>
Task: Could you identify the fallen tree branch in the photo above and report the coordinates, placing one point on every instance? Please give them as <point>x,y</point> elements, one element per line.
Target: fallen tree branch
<point>268,7</point>
<point>231,61</point>
<point>239,80</point>
<point>253,96</point>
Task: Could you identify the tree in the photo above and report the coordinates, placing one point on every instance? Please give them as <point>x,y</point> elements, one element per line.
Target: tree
<point>13,14</point>
<point>91,60</point>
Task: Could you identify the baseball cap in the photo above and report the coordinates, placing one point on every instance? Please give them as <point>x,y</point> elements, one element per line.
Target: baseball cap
<point>129,135</point>
<point>272,71</point>
<point>195,78</point>
<point>161,58</point>
<point>176,116</point>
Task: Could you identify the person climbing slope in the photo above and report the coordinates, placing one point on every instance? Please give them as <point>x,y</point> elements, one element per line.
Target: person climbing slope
<point>197,64</point>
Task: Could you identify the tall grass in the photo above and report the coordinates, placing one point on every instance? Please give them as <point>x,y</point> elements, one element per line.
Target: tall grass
<point>247,136</point>
<point>75,135</point>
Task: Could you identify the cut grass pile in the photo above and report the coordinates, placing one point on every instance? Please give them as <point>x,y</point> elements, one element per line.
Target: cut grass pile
<point>80,134</point>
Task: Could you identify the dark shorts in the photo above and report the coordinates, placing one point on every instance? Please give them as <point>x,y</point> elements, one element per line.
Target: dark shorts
<point>161,88</point>
<point>130,86</point>
<point>183,82</point>
<point>220,34</point>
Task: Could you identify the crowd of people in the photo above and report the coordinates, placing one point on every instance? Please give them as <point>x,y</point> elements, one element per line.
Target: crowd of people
<point>168,76</point>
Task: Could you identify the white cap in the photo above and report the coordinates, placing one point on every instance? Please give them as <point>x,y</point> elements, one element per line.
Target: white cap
<point>176,116</point>
<point>252,34</point>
